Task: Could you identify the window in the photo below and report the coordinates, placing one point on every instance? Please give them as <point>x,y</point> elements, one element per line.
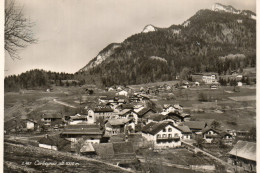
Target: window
<point>169,129</point>
<point>164,136</point>
<point>169,136</point>
<point>158,136</point>
<point>164,130</point>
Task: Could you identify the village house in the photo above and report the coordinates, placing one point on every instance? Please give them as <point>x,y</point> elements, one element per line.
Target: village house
<point>209,78</point>
<point>75,119</point>
<point>186,132</point>
<point>122,93</point>
<point>48,119</point>
<point>31,124</point>
<point>196,126</point>
<point>119,126</point>
<point>91,133</point>
<point>210,134</point>
<point>162,134</point>
<point>54,143</point>
<point>103,111</point>
<point>243,154</point>
<point>87,149</point>
<point>144,112</point>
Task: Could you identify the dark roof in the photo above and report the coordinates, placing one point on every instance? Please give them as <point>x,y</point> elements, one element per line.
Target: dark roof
<point>184,129</point>
<point>154,127</point>
<point>103,109</point>
<point>117,122</point>
<point>155,117</point>
<point>144,111</point>
<point>205,130</point>
<point>127,106</point>
<point>244,149</point>
<point>83,129</point>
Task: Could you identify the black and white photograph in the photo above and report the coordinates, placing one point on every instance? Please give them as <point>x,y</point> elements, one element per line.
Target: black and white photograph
<point>140,86</point>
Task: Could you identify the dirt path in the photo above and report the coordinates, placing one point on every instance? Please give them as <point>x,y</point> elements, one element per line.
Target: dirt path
<point>63,103</point>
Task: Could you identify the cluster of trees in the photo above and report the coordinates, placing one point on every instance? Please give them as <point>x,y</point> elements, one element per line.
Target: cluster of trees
<point>233,82</point>
<point>34,79</point>
<point>196,48</point>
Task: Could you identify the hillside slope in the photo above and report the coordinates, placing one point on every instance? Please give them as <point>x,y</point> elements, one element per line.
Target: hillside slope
<point>197,44</point>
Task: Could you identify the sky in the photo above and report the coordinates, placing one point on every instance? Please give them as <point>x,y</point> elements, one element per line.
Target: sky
<point>71,33</point>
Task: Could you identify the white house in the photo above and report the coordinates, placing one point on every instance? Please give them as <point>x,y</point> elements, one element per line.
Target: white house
<point>209,78</point>
<point>30,124</point>
<point>239,84</point>
<point>122,93</point>
<point>162,134</point>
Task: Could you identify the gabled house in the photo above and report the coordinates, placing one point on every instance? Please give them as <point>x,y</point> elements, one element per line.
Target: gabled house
<point>243,154</point>
<point>31,124</point>
<point>49,118</point>
<point>196,126</point>
<point>119,126</point>
<point>209,134</point>
<point>54,143</point>
<point>75,119</point>
<point>91,133</point>
<point>162,134</point>
<point>103,111</point>
<point>145,112</point>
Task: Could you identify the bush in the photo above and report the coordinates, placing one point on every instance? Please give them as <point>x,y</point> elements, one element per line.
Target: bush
<point>203,97</point>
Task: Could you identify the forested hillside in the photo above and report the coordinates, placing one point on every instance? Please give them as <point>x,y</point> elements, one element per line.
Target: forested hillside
<point>198,45</point>
<point>37,79</point>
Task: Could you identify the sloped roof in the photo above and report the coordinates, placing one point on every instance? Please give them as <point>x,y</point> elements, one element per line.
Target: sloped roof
<point>195,124</point>
<point>124,111</point>
<point>87,147</point>
<point>143,111</point>
<point>155,117</point>
<point>117,122</point>
<point>82,129</point>
<point>154,127</point>
<point>205,130</point>
<point>244,149</point>
<point>184,129</point>
<point>103,109</point>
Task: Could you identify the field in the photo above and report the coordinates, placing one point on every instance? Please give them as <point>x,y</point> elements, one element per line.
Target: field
<point>19,157</point>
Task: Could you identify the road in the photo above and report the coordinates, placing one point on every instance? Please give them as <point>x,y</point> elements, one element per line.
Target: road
<point>63,103</point>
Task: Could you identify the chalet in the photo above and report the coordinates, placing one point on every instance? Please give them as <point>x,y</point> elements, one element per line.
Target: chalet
<point>103,111</point>
<point>49,118</point>
<point>162,134</point>
<point>210,134</point>
<point>91,133</point>
<point>196,126</point>
<point>118,126</point>
<point>145,112</point>
<point>243,154</point>
<point>75,119</point>
<point>54,143</point>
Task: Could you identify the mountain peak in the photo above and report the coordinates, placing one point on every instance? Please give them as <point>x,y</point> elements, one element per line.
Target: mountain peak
<point>149,28</point>
<point>231,9</point>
